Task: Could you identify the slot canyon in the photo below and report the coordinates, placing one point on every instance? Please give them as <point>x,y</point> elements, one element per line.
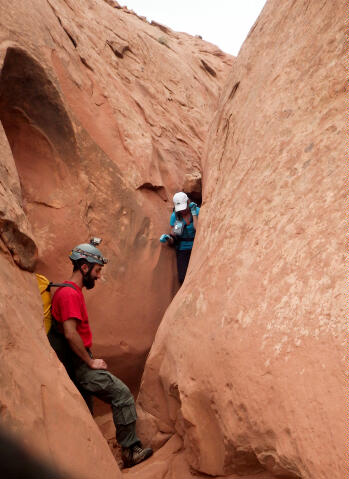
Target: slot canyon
<point>240,372</point>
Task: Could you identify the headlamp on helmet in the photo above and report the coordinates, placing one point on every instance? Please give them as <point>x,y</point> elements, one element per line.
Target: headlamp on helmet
<point>95,241</point>
<point>88,252</point>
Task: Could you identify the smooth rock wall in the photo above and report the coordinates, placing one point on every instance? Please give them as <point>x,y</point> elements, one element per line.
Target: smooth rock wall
<point>106,117</point>
<point>248,363</point>
<point>102,118</point>
<point>38,403</point>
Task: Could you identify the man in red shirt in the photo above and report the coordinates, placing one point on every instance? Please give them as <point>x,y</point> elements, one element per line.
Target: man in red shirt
<point>71,338</point>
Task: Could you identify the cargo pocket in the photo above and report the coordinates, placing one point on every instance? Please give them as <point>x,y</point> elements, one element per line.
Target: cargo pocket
<point>126,414</point>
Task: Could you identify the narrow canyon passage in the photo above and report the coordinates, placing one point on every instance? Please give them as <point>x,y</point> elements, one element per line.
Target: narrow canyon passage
<point>104,116</point>
<point>43,146</point>
<point>40,135</point>
<point>56,191</point>
<point>44,149</point>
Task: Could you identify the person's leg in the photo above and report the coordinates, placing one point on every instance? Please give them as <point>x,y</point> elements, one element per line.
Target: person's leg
<point>183,258</point>
<point>69,360</point>
<point>110,389</point>
<point>113,391</point>
<point>88,398</point>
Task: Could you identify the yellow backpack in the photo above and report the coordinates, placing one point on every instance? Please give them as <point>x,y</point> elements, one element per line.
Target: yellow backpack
<point>45,288</point>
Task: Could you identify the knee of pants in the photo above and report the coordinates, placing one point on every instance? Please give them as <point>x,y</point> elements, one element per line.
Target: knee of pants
<point>123,405</point>
<point>123,396</point>
<point>125,415</point>
<point>105,385</point>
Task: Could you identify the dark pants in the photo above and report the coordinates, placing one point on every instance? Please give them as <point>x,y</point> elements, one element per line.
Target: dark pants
<point>183,258</point>
<point>102,384</point>
<point>110,389</point>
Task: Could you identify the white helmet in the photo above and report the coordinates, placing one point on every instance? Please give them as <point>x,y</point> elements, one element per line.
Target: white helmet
<point>180,201</point>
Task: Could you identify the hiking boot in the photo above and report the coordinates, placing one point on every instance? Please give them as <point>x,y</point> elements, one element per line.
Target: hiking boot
<point>135,454</point>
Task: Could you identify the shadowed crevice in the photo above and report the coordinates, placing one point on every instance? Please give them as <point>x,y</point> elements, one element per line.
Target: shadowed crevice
<point>42,141</point>
<point>25,85</point>
<point>21,247</point>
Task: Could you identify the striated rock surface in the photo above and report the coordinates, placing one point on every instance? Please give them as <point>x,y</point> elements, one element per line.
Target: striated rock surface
<point>37,401</point>
<point>103,117</point>
<point>106,117</point>
<point>248,364</point>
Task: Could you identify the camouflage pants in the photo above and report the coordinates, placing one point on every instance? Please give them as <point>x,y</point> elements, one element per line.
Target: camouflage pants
<point>110,389</point>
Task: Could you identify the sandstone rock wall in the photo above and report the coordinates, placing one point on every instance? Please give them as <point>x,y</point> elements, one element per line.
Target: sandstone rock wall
<point>37,401</point>
<point>248,364</point>
<point>106,116</point>
<point>103,117</point>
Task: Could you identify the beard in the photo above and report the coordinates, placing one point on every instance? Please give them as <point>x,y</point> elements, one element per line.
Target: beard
<point>87,281</point>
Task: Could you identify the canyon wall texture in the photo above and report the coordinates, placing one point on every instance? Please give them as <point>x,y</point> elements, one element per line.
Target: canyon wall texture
<point>103,117</point>
<point>247,369</point>
<point>106,116</point>
<point>37,401</point>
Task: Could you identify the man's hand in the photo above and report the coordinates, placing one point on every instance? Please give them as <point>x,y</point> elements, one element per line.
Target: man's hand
<point>97,364</point>
<point>77,345</point>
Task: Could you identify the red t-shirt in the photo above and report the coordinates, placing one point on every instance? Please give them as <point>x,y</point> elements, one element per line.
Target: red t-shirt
<point>69,303</point>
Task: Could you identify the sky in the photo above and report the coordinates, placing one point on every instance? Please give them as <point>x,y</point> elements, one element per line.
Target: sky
<point>225,23</point>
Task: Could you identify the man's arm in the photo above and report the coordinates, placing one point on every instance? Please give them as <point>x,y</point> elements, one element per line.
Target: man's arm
<point>77,345</point>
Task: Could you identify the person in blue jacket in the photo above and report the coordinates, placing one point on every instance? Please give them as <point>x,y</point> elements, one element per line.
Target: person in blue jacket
<point>183,222</point>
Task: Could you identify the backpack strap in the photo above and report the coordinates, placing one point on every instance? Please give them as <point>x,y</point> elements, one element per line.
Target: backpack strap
<point>59,285</point>
<point>56,327</point>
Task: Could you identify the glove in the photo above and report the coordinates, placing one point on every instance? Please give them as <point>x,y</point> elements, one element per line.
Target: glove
<point>193,209</point>
<point>164,238</point>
